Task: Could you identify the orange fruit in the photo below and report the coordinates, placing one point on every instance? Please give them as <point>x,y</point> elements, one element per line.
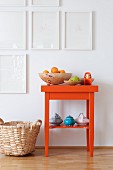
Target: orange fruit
<point>45,71</point>
<point>62,71</point>
<point>54,70</point>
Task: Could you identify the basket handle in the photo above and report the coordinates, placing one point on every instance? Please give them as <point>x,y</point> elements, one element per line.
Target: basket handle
<point>1,121</point>
<point>38,122</point>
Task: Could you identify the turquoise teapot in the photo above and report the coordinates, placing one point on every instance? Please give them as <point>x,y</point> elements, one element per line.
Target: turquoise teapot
<point>69,121</point>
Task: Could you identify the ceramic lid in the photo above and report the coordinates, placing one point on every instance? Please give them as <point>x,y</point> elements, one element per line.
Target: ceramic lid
<point>69,117</point>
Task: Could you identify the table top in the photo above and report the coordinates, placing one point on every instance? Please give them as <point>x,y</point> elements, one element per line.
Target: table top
<point>68,88</point>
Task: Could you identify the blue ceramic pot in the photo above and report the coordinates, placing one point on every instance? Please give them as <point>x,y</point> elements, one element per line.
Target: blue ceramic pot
<point>69,121</point>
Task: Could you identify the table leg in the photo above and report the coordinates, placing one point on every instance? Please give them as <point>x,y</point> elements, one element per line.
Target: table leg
<point>46,123</point>
<point>87,130</point>
<point>91,123</point>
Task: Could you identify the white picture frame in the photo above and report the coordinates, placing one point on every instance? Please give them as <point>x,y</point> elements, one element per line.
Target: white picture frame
<point>13,30</point>
<point>44,30</point>
<point>12,73</point>
<point>12,3</point>
<point>45,3</point>
<point>77,31</point>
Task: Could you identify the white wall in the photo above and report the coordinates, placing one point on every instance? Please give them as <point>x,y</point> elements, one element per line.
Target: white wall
<point>99,61</point>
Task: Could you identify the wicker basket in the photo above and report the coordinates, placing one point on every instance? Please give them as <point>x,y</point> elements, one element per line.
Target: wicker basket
<point>18,138</point>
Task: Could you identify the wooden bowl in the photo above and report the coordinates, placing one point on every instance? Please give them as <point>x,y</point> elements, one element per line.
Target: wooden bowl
<point>69,82</point>
<point>55,78</point>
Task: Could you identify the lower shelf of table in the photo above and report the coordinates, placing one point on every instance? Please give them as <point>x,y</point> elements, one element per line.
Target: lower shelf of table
<point>69,127</point>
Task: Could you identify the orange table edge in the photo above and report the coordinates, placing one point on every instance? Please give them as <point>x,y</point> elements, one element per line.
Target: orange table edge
<point>66,92</point>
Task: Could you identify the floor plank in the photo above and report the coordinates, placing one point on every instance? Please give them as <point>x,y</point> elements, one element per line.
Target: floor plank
<point>60,159</point>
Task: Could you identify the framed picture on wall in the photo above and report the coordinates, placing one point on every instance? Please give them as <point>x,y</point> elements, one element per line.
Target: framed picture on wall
<point>77,30</point>
<point>12,74</point>
<point>12,3</point>
<point>45,2</point>
<point>13,30</point>
<point>45,30</point>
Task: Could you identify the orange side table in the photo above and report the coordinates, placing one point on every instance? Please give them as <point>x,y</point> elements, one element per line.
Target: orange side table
<point>65,92</point>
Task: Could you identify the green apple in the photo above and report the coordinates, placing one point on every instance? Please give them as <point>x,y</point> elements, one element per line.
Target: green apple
<point>75,78</point>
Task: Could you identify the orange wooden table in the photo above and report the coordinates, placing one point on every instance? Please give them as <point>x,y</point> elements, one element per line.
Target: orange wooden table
<point>65,92</point>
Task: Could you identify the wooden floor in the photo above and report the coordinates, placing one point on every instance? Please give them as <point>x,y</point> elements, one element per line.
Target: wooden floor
<point>60,159</point>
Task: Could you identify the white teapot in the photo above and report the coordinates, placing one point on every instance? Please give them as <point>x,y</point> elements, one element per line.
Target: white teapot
<point>82,120</point>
